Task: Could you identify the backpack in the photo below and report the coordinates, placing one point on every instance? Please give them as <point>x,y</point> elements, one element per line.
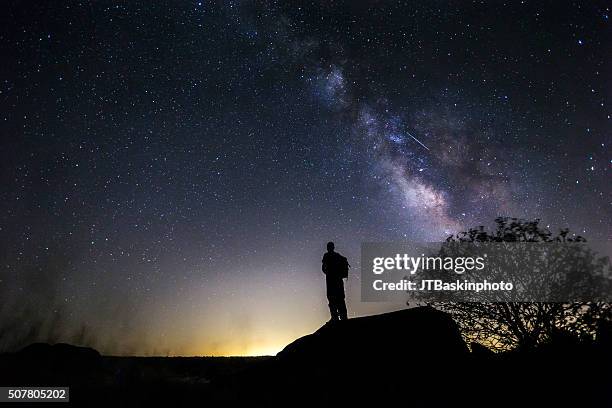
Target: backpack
<point>343,266</point>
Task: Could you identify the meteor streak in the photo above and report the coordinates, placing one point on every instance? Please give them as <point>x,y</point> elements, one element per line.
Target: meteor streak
<point>417,140</point>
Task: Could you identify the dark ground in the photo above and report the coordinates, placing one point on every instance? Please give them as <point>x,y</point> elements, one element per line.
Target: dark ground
<point>412,358</point>
<point>97,380</point>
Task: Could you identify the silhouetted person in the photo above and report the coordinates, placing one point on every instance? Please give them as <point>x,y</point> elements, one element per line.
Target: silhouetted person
<point>335,267</point>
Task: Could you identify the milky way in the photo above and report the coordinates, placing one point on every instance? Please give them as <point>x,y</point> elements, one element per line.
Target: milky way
<point>442,190</point>
<point>172,173</point>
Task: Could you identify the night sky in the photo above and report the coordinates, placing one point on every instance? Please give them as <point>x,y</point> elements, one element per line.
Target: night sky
<point>172,171</point>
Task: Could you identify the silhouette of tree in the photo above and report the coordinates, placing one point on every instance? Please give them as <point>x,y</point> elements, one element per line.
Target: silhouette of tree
<point>508,325</point>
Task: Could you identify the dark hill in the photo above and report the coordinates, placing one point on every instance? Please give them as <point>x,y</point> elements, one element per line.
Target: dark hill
<point>368,360</point>
<point>407,335</point>
<point>59,351</point>
<point>41,364</point>
<point>417,358</point>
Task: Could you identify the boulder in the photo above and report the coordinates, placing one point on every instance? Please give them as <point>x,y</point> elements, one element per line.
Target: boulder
<point>405,336</point>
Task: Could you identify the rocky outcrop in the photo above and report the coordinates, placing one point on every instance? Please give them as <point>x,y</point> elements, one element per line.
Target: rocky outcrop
<point>420,334</point>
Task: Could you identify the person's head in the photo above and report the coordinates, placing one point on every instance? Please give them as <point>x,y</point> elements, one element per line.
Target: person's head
<point>330,247</point>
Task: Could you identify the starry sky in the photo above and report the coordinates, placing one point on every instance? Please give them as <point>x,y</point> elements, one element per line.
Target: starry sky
<point>172,171</point>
